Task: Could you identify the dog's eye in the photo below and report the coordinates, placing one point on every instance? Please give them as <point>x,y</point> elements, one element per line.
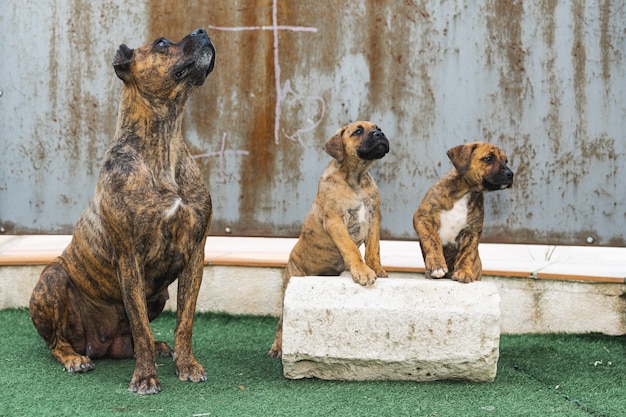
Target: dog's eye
<point>162,43</point>
<point>358,131</point>
<point>488,159</point>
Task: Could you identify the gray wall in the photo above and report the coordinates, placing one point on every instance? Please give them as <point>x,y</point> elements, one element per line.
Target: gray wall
<point>545,80</point>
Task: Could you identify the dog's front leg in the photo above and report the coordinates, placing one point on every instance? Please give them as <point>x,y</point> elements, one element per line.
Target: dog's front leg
<point>432,248</point>
<point>467,257</point>
<point>336,229</point>
<point>467,266</point>
<point>144,380</point>
<point>187,368</point>
<point>372,244</point>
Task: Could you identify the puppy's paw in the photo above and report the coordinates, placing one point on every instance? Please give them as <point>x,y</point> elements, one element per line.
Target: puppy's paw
<point>435,268</point>
<point>276,351</point>
<point>364,276</point>
<point>381,273</point>
<point>437,273</point>
<point>463,276</point>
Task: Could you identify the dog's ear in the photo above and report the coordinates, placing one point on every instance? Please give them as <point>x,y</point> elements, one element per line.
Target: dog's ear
<point>461,156</point>
<point>121,62</point>
<point>334,146</point>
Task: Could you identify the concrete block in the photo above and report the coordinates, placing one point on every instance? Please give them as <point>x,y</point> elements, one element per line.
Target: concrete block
<point>398,329</point>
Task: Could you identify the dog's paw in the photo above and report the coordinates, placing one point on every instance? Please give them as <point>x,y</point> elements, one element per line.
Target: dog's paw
<point>275,351</point>
<point>435,268</point>
<point>78,364</point>
<point>163,349</point>
<point>145,385</point>
<point>381,273</point>
<point>364,276</point>
<point>462,276</point>
<point>190,370</point>
<point>436,273</point>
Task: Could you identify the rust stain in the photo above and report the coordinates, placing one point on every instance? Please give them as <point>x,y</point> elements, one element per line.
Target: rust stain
<point>76,117</point>
<point>579,58</point>
<point>505,32</point>
<point>555,126</point>
<point>391,32</point>
<point>548,8</point>
<point>245,72</point>
<point>606,46</point>
<point>175,20</point>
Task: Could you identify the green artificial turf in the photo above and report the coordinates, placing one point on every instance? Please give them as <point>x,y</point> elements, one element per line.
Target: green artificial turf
<point>538,375</point>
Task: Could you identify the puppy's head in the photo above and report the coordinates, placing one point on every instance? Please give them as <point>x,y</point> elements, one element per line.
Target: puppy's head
<point>483,165</point>
<point>164,68</point>
<point>360,140</point>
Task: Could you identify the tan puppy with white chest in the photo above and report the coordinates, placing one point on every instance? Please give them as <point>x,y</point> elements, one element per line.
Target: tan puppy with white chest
<point>345,214</point>
<point>449,220</point>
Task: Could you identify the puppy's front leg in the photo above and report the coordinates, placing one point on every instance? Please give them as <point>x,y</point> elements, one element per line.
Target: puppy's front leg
<point>336,229</point>
<point>372,244</point>
<point>432,248</point>
<point>467,267</point>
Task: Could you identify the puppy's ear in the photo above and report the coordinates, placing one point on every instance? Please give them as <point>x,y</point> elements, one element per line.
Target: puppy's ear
<point>121,62</point>
<point>461,156</point>
<point>334,146</point>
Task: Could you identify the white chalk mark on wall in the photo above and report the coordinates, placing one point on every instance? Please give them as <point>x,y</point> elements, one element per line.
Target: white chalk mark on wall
<point>221,177</point>
<point>296,136</point>
<point>280,93</point>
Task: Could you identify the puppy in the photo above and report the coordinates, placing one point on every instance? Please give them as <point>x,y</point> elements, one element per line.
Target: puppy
<point>449,220</point>
<point>344,215</point>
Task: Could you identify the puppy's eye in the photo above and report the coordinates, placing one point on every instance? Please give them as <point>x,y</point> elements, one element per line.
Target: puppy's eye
<point>488,159</point>
<point>357,132</point>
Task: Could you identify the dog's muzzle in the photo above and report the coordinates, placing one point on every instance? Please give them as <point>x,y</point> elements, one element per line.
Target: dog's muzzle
<point>374,147</point>
<point>198,45</point>
<point>504,179</point>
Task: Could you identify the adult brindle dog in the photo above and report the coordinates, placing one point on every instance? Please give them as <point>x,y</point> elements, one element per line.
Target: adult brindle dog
<point>145,227</point>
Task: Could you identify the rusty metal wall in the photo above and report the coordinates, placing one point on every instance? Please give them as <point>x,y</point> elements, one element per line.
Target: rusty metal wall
<point>545,80</point>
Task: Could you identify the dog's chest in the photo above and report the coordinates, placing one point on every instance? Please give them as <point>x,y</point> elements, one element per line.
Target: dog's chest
<point>358,222</point>
<point>453,221</point>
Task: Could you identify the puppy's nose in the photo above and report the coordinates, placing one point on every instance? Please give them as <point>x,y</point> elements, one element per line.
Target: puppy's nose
<point>198,32</point>
<point>509,174</point>
<point>377,134</point>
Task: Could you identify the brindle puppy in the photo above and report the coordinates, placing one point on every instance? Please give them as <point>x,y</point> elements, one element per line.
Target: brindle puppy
<point>344,215</point>
<point>449,221</point>
<point>145,227</point>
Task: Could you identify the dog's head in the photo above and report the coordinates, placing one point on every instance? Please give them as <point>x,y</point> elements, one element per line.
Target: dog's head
<point>483,165</point>
<point>360,140</point>
<point>164,68</point>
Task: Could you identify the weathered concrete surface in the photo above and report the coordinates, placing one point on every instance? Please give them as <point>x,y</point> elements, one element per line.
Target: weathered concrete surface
<point>528,306</point>
<point>399,329</point>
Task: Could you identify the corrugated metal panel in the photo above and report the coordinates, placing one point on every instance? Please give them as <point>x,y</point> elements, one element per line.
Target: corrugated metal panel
<point>544,80</point>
